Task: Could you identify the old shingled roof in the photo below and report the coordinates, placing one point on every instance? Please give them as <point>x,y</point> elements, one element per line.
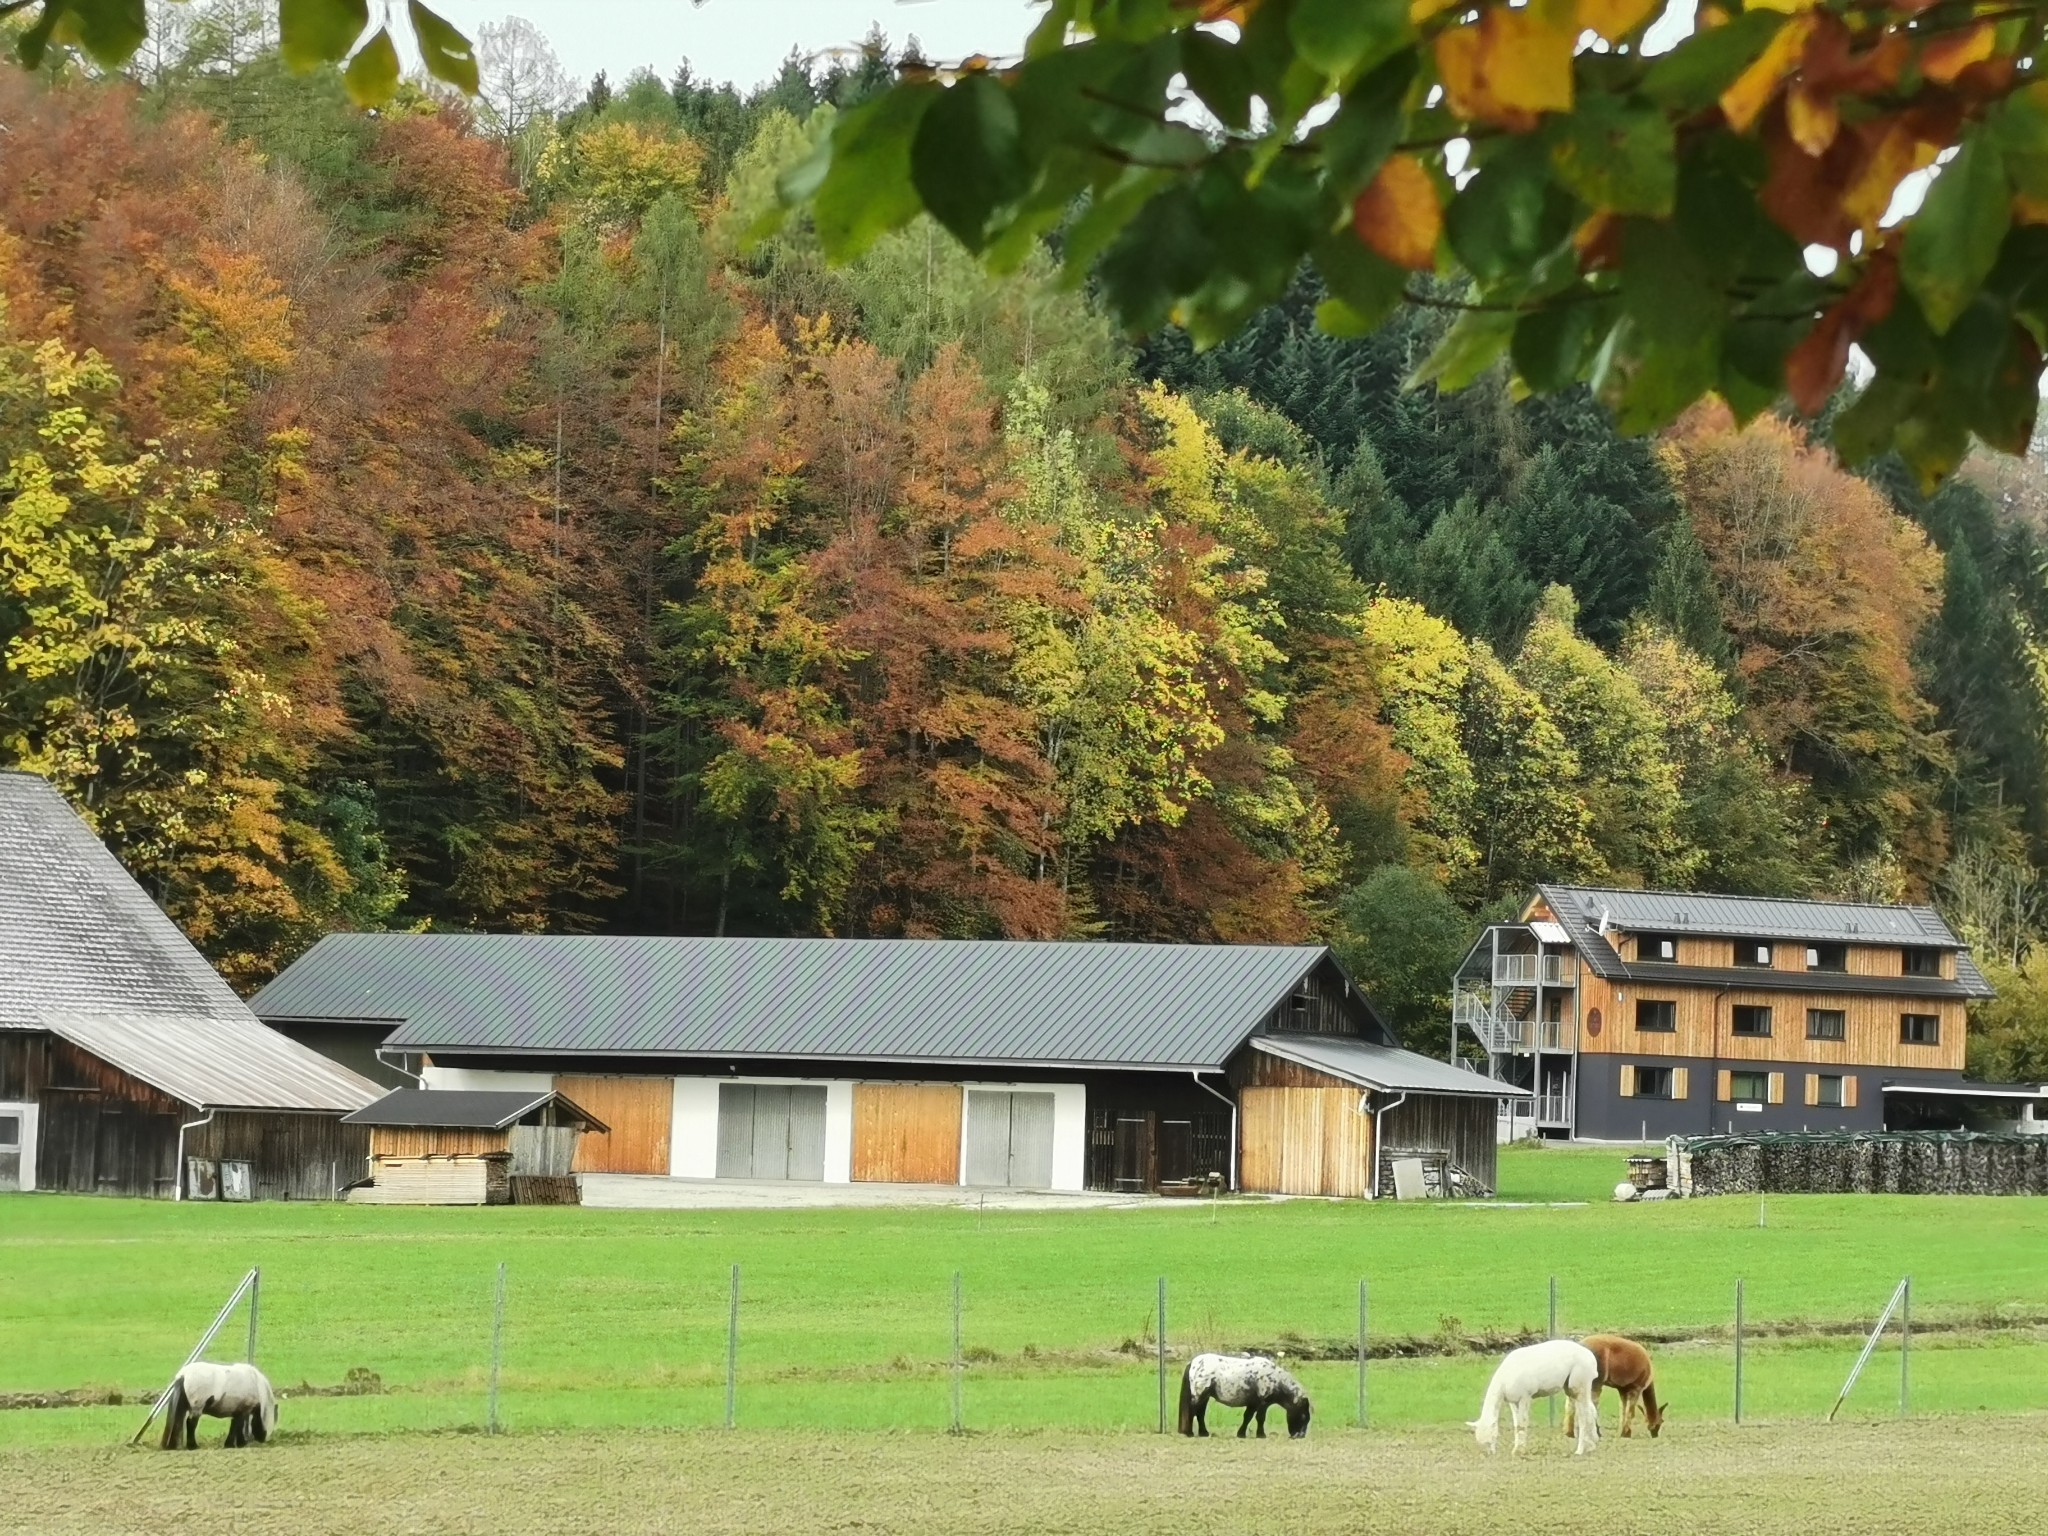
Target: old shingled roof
<point>1581,910</point>
<point>86,955</point>
<point>76,931</point>
<point>913,1000</point>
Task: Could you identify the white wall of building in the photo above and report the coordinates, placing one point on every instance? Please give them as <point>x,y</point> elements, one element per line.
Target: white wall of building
<point>693,1125</point>
<point>1069,1130</point>
<point>480,1080</point>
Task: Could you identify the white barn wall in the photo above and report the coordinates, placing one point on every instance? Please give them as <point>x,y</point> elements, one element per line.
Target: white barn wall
<point>483,1080</point>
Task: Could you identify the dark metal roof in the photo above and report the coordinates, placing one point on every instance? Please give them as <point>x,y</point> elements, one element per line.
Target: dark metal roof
<point>1581,909</point>
<point>463,1109</point>
<point>1384,1067</point>
<point>77,933</point>
<point>909,1000</point>
<point>1651,973</point>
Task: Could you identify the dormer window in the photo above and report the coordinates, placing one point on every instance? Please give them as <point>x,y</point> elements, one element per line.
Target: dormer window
<point>1827,957</point>
<point>1749,952</point>
<point>1661,947</point>
<point>1920,962</point>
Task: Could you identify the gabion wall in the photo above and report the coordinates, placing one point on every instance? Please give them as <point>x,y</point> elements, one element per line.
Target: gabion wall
<point>1870,1163</point>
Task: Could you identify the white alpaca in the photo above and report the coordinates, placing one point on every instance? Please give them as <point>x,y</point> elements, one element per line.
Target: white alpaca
<point>1537,1370</point>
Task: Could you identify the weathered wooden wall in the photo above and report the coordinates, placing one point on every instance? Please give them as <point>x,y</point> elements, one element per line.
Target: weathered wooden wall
<point>1304,1141</point>
<point>435,1141</point>
<point>101,1131</point>
<point>1462,1125</point>
<point>291,1156</point>
<point>638,1110</point>
<point>1871,1029</point>
<point>906,1133</point>
<point>439,1181</point>
<point>1322,1005</point>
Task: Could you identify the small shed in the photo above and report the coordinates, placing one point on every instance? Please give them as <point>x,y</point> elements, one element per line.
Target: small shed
<point>468,1147</point>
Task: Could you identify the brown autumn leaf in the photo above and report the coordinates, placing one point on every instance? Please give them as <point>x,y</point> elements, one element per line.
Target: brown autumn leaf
<point>1398,215</point>
<point>1815,366</point>
<point>1948,54</point>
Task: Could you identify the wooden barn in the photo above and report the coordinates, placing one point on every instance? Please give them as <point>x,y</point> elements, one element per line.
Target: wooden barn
<point>475,1147</point>
<point>1058,1066</point>
<point>127,1066</point>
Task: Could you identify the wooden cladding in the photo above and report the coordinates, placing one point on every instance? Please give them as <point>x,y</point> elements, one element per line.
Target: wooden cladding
<point>906,1133</point>
<point>638,1110</point>
<point>433,1141</point>
<point>1304,1141</point>
<point>1702,1021</point>
<point>1719,952</point>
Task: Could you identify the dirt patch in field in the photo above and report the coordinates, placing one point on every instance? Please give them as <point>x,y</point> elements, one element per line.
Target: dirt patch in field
<point>1893,1479</point>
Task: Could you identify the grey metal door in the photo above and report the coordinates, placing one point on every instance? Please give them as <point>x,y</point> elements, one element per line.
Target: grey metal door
<point>735,1130</point>
<point>770,1131</point>
<point>1031,1141</point>
<point>1009,1139</point>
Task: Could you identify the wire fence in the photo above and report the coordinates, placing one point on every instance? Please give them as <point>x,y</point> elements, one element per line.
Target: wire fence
<point>1719,1372</point>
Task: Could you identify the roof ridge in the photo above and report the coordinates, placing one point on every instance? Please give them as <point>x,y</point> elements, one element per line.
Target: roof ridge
<point>1790,901</point>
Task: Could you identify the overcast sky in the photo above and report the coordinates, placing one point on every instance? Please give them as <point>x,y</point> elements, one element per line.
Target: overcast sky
<point>744,41</point>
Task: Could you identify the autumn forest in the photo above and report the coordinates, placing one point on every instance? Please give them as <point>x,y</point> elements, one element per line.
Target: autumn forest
<point>455,515</point>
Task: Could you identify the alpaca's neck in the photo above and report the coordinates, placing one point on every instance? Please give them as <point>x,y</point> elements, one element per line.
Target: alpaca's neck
<point>1489,1411</point>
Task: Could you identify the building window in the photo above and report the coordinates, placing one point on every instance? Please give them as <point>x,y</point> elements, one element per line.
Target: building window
<point>1748,1019</point>
<point>1827,1091</point>
<point>1827,957</point>
<point>1920,962</point>
<point>1749,952</point>
<point>1659,1016</point>
<point>1920,1028</point>
<point>1749,1087</point>
<point>1657,946</point>
<point>1653,1082</point>
<point>1827,1024</point>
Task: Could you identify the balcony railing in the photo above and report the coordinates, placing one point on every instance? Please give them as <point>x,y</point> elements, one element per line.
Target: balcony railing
<point>1553,1109</point>
<point>1558,1035</point>
<point>1529,970</point>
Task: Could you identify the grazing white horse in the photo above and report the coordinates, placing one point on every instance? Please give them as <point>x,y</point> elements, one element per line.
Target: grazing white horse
<point>1538,1370</point>
<point>241,1394</point>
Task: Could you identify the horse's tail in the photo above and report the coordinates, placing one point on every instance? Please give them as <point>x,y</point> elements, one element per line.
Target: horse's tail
<point>1187,1399</point>
<point>266,1414</point>
<point>176,1410</point>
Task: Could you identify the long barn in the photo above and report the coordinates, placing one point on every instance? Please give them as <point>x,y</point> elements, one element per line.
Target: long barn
<point>1061,1066</point>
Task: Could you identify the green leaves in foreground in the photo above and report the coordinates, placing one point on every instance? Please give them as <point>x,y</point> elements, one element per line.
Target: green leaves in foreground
<point>312,34</point>
<point>1637,223</point>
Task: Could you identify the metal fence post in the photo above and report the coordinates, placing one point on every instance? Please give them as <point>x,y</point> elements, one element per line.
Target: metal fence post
<point>1361,1353</point>
<point>255,1295</point>
<point>1738,1351</point>
<point>1905,1347</point>
<point>1550,1403</point>
<point>497,1351</point>
<point>732,1349</point>
<point>1162,1354</point>
<point>957,1362</point>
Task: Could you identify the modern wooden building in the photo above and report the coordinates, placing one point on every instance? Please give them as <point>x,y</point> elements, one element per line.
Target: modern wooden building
<point>127,1066</point>
<point>432,1147</point>
<point>994,1064</point>
<point>1652,1012</point>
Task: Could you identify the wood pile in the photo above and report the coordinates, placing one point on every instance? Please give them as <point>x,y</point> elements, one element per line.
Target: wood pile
<point>1870,1162</point>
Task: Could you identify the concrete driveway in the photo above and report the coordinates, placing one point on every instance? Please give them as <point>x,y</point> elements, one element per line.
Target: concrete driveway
<point>648,1192</point>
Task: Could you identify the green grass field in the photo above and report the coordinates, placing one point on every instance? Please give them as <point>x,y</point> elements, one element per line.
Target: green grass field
<point>618,1318</point>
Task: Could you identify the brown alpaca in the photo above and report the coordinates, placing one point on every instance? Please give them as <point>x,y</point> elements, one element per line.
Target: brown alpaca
<point>1624,1366</point>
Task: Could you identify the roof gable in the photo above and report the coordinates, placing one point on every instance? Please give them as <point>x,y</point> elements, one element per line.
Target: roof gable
<point>77,932</point>
<point>913,1000</point>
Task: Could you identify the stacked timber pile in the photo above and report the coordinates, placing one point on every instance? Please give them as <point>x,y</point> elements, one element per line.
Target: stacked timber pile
<point>1871,1162</point>
<point>461,1178</point>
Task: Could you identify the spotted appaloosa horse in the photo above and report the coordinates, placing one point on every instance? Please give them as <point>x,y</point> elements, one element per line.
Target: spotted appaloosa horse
<point>1624,1366</point>
<point>1251,1382</point>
